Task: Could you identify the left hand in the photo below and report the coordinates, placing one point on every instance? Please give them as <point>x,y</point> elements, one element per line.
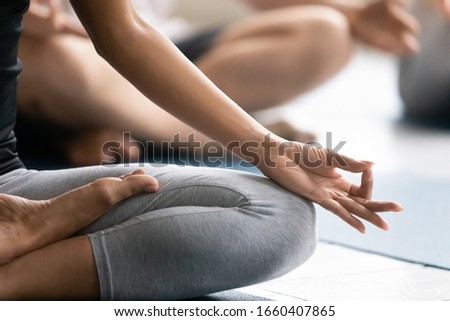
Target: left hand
<point>386,25</point>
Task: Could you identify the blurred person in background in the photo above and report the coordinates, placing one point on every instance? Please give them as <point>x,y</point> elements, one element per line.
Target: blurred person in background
<point>425,77</point>
<point>286,48</point>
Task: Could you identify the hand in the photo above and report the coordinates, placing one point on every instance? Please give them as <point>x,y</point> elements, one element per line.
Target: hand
<point>26,225</point>
<point>312,172</point>
<point>386,25</point>
<point>47,18</point>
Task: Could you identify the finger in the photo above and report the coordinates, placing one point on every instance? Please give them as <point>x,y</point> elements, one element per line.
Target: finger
<point>411,43</point>
<point>364,191</point>
<point>379,206</point>
<point>389,43</point>
<point>347,163</point>
<point>337,209</point>
<point>366,188</point>
<point>405,21</point>
<point>363,212</point>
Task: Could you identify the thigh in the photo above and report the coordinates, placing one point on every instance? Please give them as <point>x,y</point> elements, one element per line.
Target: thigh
<point>205,230</point>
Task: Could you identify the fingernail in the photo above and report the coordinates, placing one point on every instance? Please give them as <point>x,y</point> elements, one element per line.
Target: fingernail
<point>369,175</point>
<point>368,162</point>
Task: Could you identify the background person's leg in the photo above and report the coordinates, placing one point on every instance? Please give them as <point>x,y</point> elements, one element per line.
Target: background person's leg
<point>425,77</point>
<point>309,44</point>
<point>206,230</point>
<point>274,56</point>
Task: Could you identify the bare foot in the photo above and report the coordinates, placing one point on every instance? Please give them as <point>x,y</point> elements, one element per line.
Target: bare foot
<point>85,149</point>
<point>27,225</point>
<point>289,132</point>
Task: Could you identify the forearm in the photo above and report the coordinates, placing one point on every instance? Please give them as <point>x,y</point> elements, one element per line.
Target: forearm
<point>154,65</point>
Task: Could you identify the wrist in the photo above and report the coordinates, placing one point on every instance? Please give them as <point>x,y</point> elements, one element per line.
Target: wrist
<point>271,153</point>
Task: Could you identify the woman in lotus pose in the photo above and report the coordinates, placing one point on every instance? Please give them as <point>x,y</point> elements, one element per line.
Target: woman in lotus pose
<point>181,232</point>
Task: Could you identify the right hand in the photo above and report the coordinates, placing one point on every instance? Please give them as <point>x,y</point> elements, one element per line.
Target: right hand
<point>312,172</point>
<point>386,25</point>
<point>46,18</point>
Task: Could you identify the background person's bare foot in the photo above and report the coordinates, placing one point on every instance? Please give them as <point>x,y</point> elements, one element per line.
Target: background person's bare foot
<point>27,225</point>
<point>86,149</point>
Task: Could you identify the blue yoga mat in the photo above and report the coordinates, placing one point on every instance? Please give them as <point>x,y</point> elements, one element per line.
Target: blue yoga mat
<point>420,234</point>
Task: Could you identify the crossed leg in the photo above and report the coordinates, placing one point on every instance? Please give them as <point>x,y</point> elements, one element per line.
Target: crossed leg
<point>205,230</point>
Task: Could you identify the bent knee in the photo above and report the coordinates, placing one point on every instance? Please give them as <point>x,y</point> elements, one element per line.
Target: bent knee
<point>291,238</point>
<point>326,31</point>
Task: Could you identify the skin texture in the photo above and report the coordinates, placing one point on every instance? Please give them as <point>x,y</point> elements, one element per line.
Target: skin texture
<point>383,24</point>
<point>26,225</point>
<point>227,123</point>
<point>240,63</point>
<point>65,267</point>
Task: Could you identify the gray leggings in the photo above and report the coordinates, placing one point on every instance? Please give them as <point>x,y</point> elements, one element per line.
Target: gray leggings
<point>425,77</point>
<point>205,230</point>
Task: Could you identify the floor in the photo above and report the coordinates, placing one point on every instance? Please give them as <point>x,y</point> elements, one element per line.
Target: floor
<point>361,106</point>
<point>341,274</point>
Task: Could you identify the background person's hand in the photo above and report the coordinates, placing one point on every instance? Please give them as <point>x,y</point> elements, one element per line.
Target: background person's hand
<point>442,5</point>
<point>312,172</point>
<point>46,18</point>
<point>386,25</point>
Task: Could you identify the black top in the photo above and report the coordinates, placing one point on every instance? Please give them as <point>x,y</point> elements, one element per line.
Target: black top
<point>11,12</point>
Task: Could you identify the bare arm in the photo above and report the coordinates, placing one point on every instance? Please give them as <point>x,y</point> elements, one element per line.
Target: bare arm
<point>154,65</point>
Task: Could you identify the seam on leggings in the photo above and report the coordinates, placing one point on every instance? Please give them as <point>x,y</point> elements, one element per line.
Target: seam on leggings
<point>99,252</point>
<point>219,209</point>
<point>210,185</point>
